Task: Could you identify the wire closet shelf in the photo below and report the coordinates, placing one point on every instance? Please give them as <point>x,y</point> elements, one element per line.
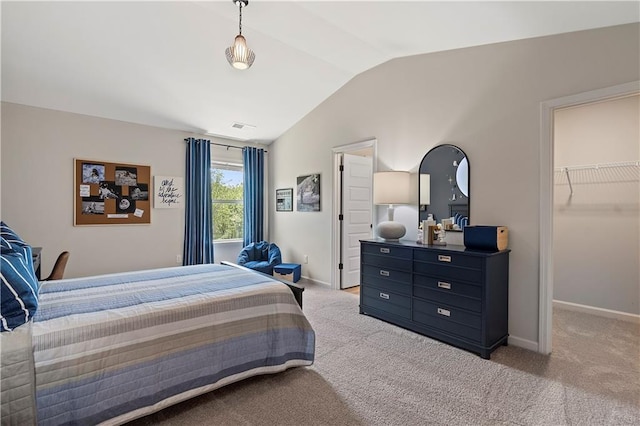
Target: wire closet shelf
<point>628,171</point>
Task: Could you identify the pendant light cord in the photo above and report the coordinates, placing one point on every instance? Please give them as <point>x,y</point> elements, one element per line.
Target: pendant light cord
<point>240,24</point>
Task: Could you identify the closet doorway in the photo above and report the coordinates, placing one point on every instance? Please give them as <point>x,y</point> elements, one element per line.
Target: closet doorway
<point>353,211</point>
<point>589,198</point>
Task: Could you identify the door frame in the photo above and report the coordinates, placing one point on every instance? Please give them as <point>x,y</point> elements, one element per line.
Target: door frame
<point>337,200</point>
<point>547,109</point>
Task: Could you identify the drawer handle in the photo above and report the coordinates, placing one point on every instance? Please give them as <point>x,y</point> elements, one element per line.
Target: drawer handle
<point>444,312</point>
<point>385,250</point>
<point>384,296</point>
<point>443,258</point>
<point>384,273</point>
<point>444,285</point>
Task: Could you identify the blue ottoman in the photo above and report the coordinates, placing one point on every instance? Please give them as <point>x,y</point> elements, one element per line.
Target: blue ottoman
<point>287,271</point>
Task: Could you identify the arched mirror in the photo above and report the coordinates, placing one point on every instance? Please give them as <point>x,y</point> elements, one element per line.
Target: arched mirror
<point>443,188</point>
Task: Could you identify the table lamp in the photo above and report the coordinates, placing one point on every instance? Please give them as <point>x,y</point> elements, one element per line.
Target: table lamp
<point>391,188</point>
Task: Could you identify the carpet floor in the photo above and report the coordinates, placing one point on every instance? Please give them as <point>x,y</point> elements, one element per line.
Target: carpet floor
<point>367,372</point>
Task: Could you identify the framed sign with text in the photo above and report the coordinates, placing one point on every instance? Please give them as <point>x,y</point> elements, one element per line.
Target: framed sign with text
<point>168,192</point>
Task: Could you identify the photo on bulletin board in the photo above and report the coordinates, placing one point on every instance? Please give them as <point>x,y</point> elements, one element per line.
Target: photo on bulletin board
<point>140,192</point>
<point>107,193</point>
<point>92,173</point>
<point>308,193</point>
<point>126,176</point>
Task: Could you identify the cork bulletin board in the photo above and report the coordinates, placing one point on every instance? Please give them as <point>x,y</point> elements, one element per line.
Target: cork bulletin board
<point>111,193</point>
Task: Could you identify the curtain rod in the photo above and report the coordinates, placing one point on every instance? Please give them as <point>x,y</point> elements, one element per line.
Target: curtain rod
<point>228,146</point>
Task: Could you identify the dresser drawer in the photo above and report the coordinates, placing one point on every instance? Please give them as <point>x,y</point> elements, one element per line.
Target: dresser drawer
<point>388,251</point>
<point>386,301</point>
<point>449,286</point>
<point>386,274</point>
<point>386,285</point>
<point>449,258</point>
<point>450,299</point>
<point>387,262</point>
<point>448,272</point>
<point>447,318</point>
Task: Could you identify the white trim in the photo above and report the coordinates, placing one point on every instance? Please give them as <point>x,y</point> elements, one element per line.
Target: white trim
<point>523,343</point>
<point>601,312</point>
<point>546,229</point>
<point>546,197</point>
<point>335,226</point>
<point>227,165</point>
<point>229,241</point>
<point>355,146</point>
<point>314,281</point>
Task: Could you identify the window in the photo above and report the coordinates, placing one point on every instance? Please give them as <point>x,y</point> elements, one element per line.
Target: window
<point>226,195</point>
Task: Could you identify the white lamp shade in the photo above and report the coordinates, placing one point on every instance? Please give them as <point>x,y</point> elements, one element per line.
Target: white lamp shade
<point>391,188</point>
<point>425,189</point>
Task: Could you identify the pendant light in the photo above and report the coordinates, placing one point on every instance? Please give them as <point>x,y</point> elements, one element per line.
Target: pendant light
<point>239,55</point>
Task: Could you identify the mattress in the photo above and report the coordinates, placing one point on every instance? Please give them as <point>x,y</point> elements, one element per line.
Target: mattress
<point>17,381</point>
<point>108,349</point>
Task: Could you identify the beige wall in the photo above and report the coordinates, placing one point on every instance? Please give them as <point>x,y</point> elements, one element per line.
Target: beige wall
<point>484,99</point>
<point>596,246</point>
<point>38,148</point>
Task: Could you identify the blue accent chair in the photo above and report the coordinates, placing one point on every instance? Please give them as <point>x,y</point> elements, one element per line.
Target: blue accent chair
<point>262,257</point>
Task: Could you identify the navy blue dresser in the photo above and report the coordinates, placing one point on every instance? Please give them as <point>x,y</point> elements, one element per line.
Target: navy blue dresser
<point>450,293</point>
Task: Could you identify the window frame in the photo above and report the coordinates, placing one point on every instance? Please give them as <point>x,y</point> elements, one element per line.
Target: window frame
<point>231,166</point>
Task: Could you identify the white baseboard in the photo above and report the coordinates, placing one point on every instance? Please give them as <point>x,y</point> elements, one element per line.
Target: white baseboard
<point>601,312</point>
<point>315,281</point>
<point>523,343</point>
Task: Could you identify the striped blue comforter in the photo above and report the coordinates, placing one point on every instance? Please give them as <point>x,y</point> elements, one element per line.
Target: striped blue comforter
<point>112,348</point>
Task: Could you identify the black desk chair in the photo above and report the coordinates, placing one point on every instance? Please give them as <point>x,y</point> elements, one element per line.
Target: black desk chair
<point>57,272</point>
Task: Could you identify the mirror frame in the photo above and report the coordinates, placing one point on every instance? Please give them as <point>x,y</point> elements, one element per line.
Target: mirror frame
<point>454,174</point>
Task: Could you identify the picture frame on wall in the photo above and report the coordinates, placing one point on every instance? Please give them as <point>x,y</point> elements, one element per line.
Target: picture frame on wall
<point>284,200</point>
<point>308,193</point>
<point>168,192</point>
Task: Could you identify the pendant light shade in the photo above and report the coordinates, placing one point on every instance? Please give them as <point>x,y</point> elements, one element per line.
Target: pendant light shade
<point>239,55</point>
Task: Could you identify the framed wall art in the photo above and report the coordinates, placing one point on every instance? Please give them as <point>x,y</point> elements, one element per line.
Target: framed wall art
<point>168,192</point>
<point>308,193</point>
<point>111,193</point>
<point>284,200</point>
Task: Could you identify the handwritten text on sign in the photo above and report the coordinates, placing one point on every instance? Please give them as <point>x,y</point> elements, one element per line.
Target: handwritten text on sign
<point>169,192</point>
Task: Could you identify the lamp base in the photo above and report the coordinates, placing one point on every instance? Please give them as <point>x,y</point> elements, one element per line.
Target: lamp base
<point>391,231</point>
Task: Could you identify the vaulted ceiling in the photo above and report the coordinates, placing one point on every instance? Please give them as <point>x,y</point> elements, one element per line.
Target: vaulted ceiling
<point>162,63</point>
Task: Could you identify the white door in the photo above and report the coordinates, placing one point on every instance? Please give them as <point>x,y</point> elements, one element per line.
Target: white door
<point>357,210</point>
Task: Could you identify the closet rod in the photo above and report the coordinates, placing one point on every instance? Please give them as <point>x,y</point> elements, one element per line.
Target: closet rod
<point>227,146</point>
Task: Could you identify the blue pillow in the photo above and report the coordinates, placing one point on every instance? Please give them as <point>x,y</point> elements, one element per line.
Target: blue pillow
<point>11,242</point>
<point>6,246</point>
<point>9,236</point>
<point>18,290</point>
<point>457,218</point>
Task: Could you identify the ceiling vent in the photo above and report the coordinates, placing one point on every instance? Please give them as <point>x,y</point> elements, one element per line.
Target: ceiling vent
<point>242,126</point>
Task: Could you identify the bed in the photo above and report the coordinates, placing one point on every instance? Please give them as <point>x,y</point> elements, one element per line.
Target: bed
<point>108,349</point>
